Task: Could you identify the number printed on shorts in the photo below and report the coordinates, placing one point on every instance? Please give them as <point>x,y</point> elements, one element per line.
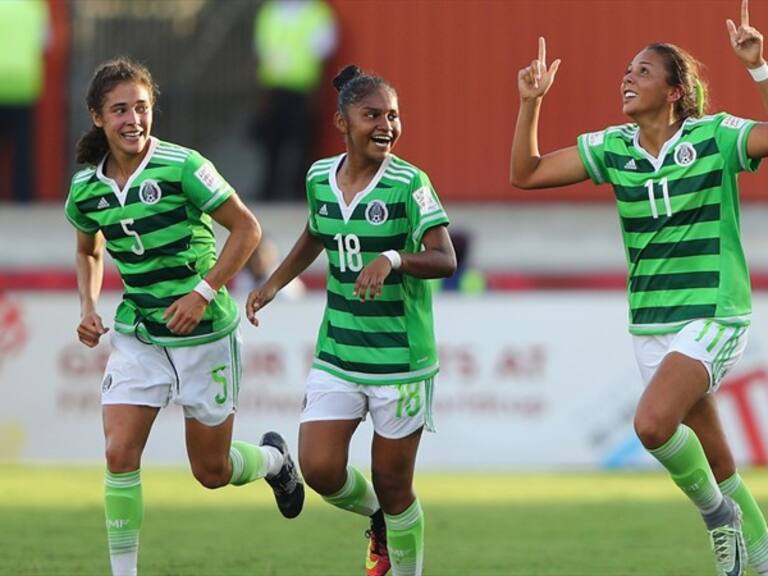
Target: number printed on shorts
<point>217,377</point>
<point>409,400</point>
<point>349,252</point>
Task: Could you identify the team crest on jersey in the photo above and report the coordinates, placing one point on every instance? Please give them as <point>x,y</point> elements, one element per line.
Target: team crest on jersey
<point>376,212</point>
<point>685,154</point>
<point>150,192</point>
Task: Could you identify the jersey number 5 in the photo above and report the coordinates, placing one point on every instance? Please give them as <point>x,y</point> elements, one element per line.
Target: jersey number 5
<point>664,184</point>
<point>138,247</point>
<point>349,252</point>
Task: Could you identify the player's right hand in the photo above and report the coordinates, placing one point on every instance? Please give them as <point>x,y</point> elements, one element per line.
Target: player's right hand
<point>91,329</point>
<point>257,299</point>
<point>535,80</point>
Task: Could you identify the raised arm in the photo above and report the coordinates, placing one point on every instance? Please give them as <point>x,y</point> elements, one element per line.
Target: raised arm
<point>747,43</point>
<point>527,168</point>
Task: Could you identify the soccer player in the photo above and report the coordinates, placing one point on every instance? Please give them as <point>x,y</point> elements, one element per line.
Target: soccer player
<point>384,233</point>
<point>673,172</point>
<point>176,337</point>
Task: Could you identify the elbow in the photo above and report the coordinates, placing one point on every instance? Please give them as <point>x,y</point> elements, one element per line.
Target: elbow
<point>518,181</point>
<point>451,265</point>
<point>253,233</point>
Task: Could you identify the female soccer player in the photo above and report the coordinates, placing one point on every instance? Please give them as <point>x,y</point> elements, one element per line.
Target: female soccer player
<point>384,233</point>
<point>673,172</point>
<point>176,338</point>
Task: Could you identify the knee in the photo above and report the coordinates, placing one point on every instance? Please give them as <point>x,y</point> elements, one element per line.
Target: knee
<point>653,429</point>
<point>394,491</point>
<point>121,457</point>
<point>325,478</point>
<point>211,475</point>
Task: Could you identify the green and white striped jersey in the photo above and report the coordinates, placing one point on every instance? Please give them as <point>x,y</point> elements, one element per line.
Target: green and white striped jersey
<point>679,218</point>
<point>389,340</point>
<point>160,236</point>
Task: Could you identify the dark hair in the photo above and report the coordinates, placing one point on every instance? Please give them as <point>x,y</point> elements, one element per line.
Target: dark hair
<point>92,146</point>
<point>683,70</point>
<point>353,85</point>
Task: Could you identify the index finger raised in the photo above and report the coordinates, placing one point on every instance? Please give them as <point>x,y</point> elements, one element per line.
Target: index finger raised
<point>745,12</point>
<point>543,50</point>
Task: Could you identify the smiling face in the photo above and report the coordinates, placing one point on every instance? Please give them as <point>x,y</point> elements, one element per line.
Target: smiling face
<point>126,118</point>
<point>645,88</point>
<point>372,125</point>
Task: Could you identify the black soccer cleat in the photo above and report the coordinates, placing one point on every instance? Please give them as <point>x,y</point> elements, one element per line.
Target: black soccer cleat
<point>286,484</point>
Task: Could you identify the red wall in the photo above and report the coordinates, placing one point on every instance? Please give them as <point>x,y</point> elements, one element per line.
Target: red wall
<point>455,62</point>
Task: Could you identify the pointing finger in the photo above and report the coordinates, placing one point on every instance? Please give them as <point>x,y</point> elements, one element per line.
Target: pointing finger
<point>745,12</point>
<point>543,50</point>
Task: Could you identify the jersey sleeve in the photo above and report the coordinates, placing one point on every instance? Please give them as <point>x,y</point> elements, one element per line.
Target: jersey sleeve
<point>203,185</point>
<point>423,208</point>
<point>591,148</point>
<point>731,136</point>
<point>76,216</point>
<point>311,207</point>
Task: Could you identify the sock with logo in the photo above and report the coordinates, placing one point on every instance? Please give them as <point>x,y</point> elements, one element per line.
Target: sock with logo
<point>250,462</point>
<point>357,494</point>
<point>124,510</point>
<point>405,540</point>
<point>683,456</point>
<point>752,523</point>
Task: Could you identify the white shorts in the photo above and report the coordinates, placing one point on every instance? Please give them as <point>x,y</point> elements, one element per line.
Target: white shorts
<point>203,379</point>
<point>718,346</point>
<point>396,410</point>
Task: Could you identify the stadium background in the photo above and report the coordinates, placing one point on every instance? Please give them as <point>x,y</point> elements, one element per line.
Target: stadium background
<point>532,356</point>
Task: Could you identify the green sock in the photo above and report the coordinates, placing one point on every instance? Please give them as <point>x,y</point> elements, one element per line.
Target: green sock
<point>405,540</point>
<point>357,494</point>
<point>124,510</point>
<point>683,456</point>
<point>248,463</point>
<point>753,521</point>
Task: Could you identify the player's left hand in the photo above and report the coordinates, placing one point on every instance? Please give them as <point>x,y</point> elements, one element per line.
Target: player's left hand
<point>747,42</point>
<point>371,278</point>
<point>184,315</point>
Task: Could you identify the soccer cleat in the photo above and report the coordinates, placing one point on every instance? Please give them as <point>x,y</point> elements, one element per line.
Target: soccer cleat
<point>728,546</point>
<point>286,484</point>
<point>377,556</point>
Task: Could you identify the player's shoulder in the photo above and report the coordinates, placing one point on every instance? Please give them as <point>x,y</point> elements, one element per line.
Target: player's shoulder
<point>715,121</point>
<point>82,181</point>
<point>619,133</point>
<point>171,154</point>
<point>403,172</point>
<point>321,168</point>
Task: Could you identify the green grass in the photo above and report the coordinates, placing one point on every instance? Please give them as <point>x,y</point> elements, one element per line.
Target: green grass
<point>51,523</point>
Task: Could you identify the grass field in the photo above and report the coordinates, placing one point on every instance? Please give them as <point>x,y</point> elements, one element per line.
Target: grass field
<point>51,523</point>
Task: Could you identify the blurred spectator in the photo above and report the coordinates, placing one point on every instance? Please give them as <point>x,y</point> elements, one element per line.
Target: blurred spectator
<point>23,30</point>
<point>292,40</point>
<point>466,279</point>
<point>259,266</point>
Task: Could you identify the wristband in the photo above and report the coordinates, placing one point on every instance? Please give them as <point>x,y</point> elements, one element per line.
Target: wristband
<point>205,290</point>
<point>760,73</point>
<point>394,258</point>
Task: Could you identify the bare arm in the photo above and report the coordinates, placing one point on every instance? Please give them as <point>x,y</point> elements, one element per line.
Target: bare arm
<point>244,235</point>
<point>437,260</point>
<point>527,168</point>
<point>89,266</point>
<point>306,249</point>
<point>747,43</point>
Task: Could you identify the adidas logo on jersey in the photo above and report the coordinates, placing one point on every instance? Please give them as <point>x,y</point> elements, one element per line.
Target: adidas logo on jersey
<point>630,165</point>
<point>323,210</point>
<point>102,204</point>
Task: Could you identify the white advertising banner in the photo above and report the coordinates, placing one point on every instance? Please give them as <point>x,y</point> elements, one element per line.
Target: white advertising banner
<point>528,381</point>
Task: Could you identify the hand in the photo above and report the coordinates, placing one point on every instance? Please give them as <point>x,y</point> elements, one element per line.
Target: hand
<point>535,80</point>
<point>184,315</point>
<point>747,42</point>
<point>91,329</point>
<point>371,278</point>
<point>257,299</point>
